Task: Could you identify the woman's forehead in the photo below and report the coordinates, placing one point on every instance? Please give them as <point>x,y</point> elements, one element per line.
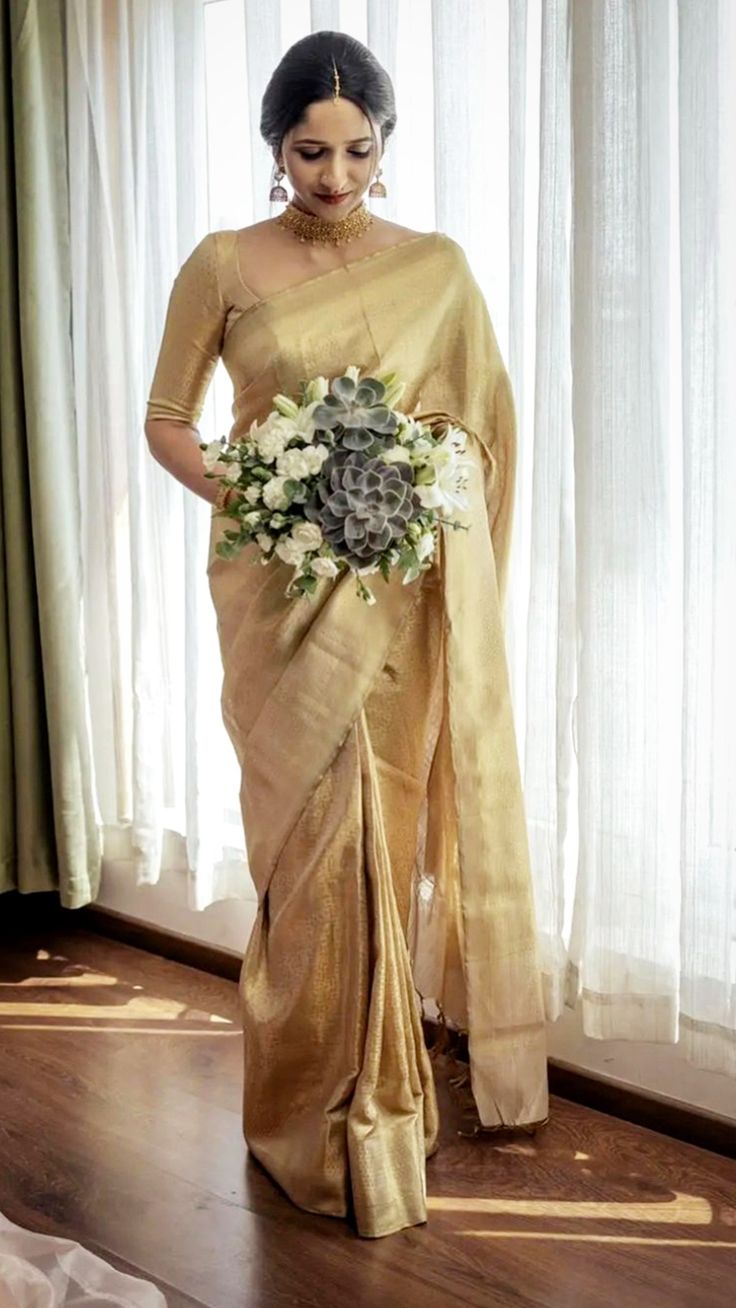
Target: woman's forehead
<point>332,122</point>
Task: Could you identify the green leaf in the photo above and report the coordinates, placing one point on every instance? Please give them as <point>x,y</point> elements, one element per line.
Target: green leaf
<point>225,549</point>
<point>408,557</point>
<point>292,489</point>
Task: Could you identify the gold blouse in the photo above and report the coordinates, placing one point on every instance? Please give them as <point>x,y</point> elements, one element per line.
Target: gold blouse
<point>211,313</point>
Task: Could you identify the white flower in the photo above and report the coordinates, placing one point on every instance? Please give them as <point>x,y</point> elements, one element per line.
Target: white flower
<point>323,567</point>
<point>274,496</point>
<point>353,372</point>
<point>292,463</point>
<point>396,454</point>
<point>277,521</point>
<point>287,422</point>
<point>315,456</point>
<point>211,457</point>
<point>421,449</point>
<point>251,519</point>
<point>307,535</point>
<point>270,443</point>
<point>288,550</point>
<point>284,405</point>
<point>253,494</point>
<point>430,497</point>
<point>425,545</point>
<point>316,390</point>
<point>301,427</point>
<point>232,472</point>
<point>456,437</point>
<point>264,540</point>
<point>408,429</point>
<point>446,492</point>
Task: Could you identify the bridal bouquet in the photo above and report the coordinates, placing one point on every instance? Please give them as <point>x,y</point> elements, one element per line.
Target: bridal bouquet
<point>342,481</point>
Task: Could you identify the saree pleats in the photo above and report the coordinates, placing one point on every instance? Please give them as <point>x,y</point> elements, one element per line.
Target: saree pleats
<point>339,1100</point>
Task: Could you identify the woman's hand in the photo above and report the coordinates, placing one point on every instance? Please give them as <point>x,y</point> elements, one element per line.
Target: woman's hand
<point>175,445</point>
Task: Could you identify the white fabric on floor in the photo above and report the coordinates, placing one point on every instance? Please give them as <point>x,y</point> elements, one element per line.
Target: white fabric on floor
<point>47,1271</point>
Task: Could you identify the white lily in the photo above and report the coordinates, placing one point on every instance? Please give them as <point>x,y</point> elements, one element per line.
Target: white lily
<point>396,454</point>
<point>447,491</point>
<point>287,407</point>
<point>300,426</point>
<point>316,390</point>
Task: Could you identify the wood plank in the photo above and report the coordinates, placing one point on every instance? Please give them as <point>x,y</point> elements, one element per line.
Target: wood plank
<point>122,1130</point>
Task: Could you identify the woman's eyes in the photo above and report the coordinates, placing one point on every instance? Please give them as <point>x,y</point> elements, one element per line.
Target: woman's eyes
<point>359,154</point>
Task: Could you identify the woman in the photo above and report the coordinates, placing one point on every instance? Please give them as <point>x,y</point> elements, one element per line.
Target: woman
<point>380,787</point>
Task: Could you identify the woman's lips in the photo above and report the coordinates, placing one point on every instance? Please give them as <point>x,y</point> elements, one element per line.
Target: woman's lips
<point>333,199</point>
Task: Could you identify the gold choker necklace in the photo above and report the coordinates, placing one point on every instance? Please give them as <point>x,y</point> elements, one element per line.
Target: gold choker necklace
<point>308,227</point>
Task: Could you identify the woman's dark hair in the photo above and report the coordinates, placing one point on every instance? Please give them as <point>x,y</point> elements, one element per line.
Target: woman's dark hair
<point>305,74</point>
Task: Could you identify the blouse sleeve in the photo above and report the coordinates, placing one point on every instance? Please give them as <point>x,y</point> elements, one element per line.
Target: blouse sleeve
<point>192,338</point>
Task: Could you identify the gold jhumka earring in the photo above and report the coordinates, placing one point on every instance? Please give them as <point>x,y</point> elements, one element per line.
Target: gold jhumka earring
<point>377,190</point>
<point>278,194</point>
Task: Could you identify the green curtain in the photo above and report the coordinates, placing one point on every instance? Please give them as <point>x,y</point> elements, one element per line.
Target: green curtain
<point>49,838</point>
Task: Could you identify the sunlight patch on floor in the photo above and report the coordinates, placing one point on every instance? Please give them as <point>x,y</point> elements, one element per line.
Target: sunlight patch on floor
<point>600,1239</point>
<point>117,1029</point>
<point>683,1209</point>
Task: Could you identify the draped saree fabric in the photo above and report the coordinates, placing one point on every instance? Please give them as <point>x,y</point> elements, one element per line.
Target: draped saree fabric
<point>380,794</point>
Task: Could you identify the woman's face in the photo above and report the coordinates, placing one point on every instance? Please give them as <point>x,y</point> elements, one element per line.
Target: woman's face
<point>331,152</point>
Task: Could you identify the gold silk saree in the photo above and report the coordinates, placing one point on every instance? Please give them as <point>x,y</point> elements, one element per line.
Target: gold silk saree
<point>381,795</point>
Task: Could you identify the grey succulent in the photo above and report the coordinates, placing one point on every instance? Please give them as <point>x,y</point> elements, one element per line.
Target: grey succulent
<point>356,408</point>
<point>362,504</point>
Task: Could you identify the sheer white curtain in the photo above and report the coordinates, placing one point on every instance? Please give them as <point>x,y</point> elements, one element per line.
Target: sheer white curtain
<point>138,162</point>
<point>583,153</point>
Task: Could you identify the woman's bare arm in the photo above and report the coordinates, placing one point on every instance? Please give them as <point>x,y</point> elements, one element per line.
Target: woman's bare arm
<point>175,445</point>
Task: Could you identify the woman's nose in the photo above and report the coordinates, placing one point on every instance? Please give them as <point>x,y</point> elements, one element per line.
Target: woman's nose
<point>333,178</point>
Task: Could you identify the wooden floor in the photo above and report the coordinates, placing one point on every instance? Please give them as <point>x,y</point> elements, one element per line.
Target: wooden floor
<point>120,1127</point>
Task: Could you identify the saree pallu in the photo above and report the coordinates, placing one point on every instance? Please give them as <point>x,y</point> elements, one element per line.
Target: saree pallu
<point>381,795</point>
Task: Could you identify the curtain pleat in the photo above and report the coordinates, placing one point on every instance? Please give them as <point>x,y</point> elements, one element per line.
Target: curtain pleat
<point>50,833</point>
<point>707,158</point>
<point>546,491</point>
<point>27,853</point>
<point>626,924</point>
